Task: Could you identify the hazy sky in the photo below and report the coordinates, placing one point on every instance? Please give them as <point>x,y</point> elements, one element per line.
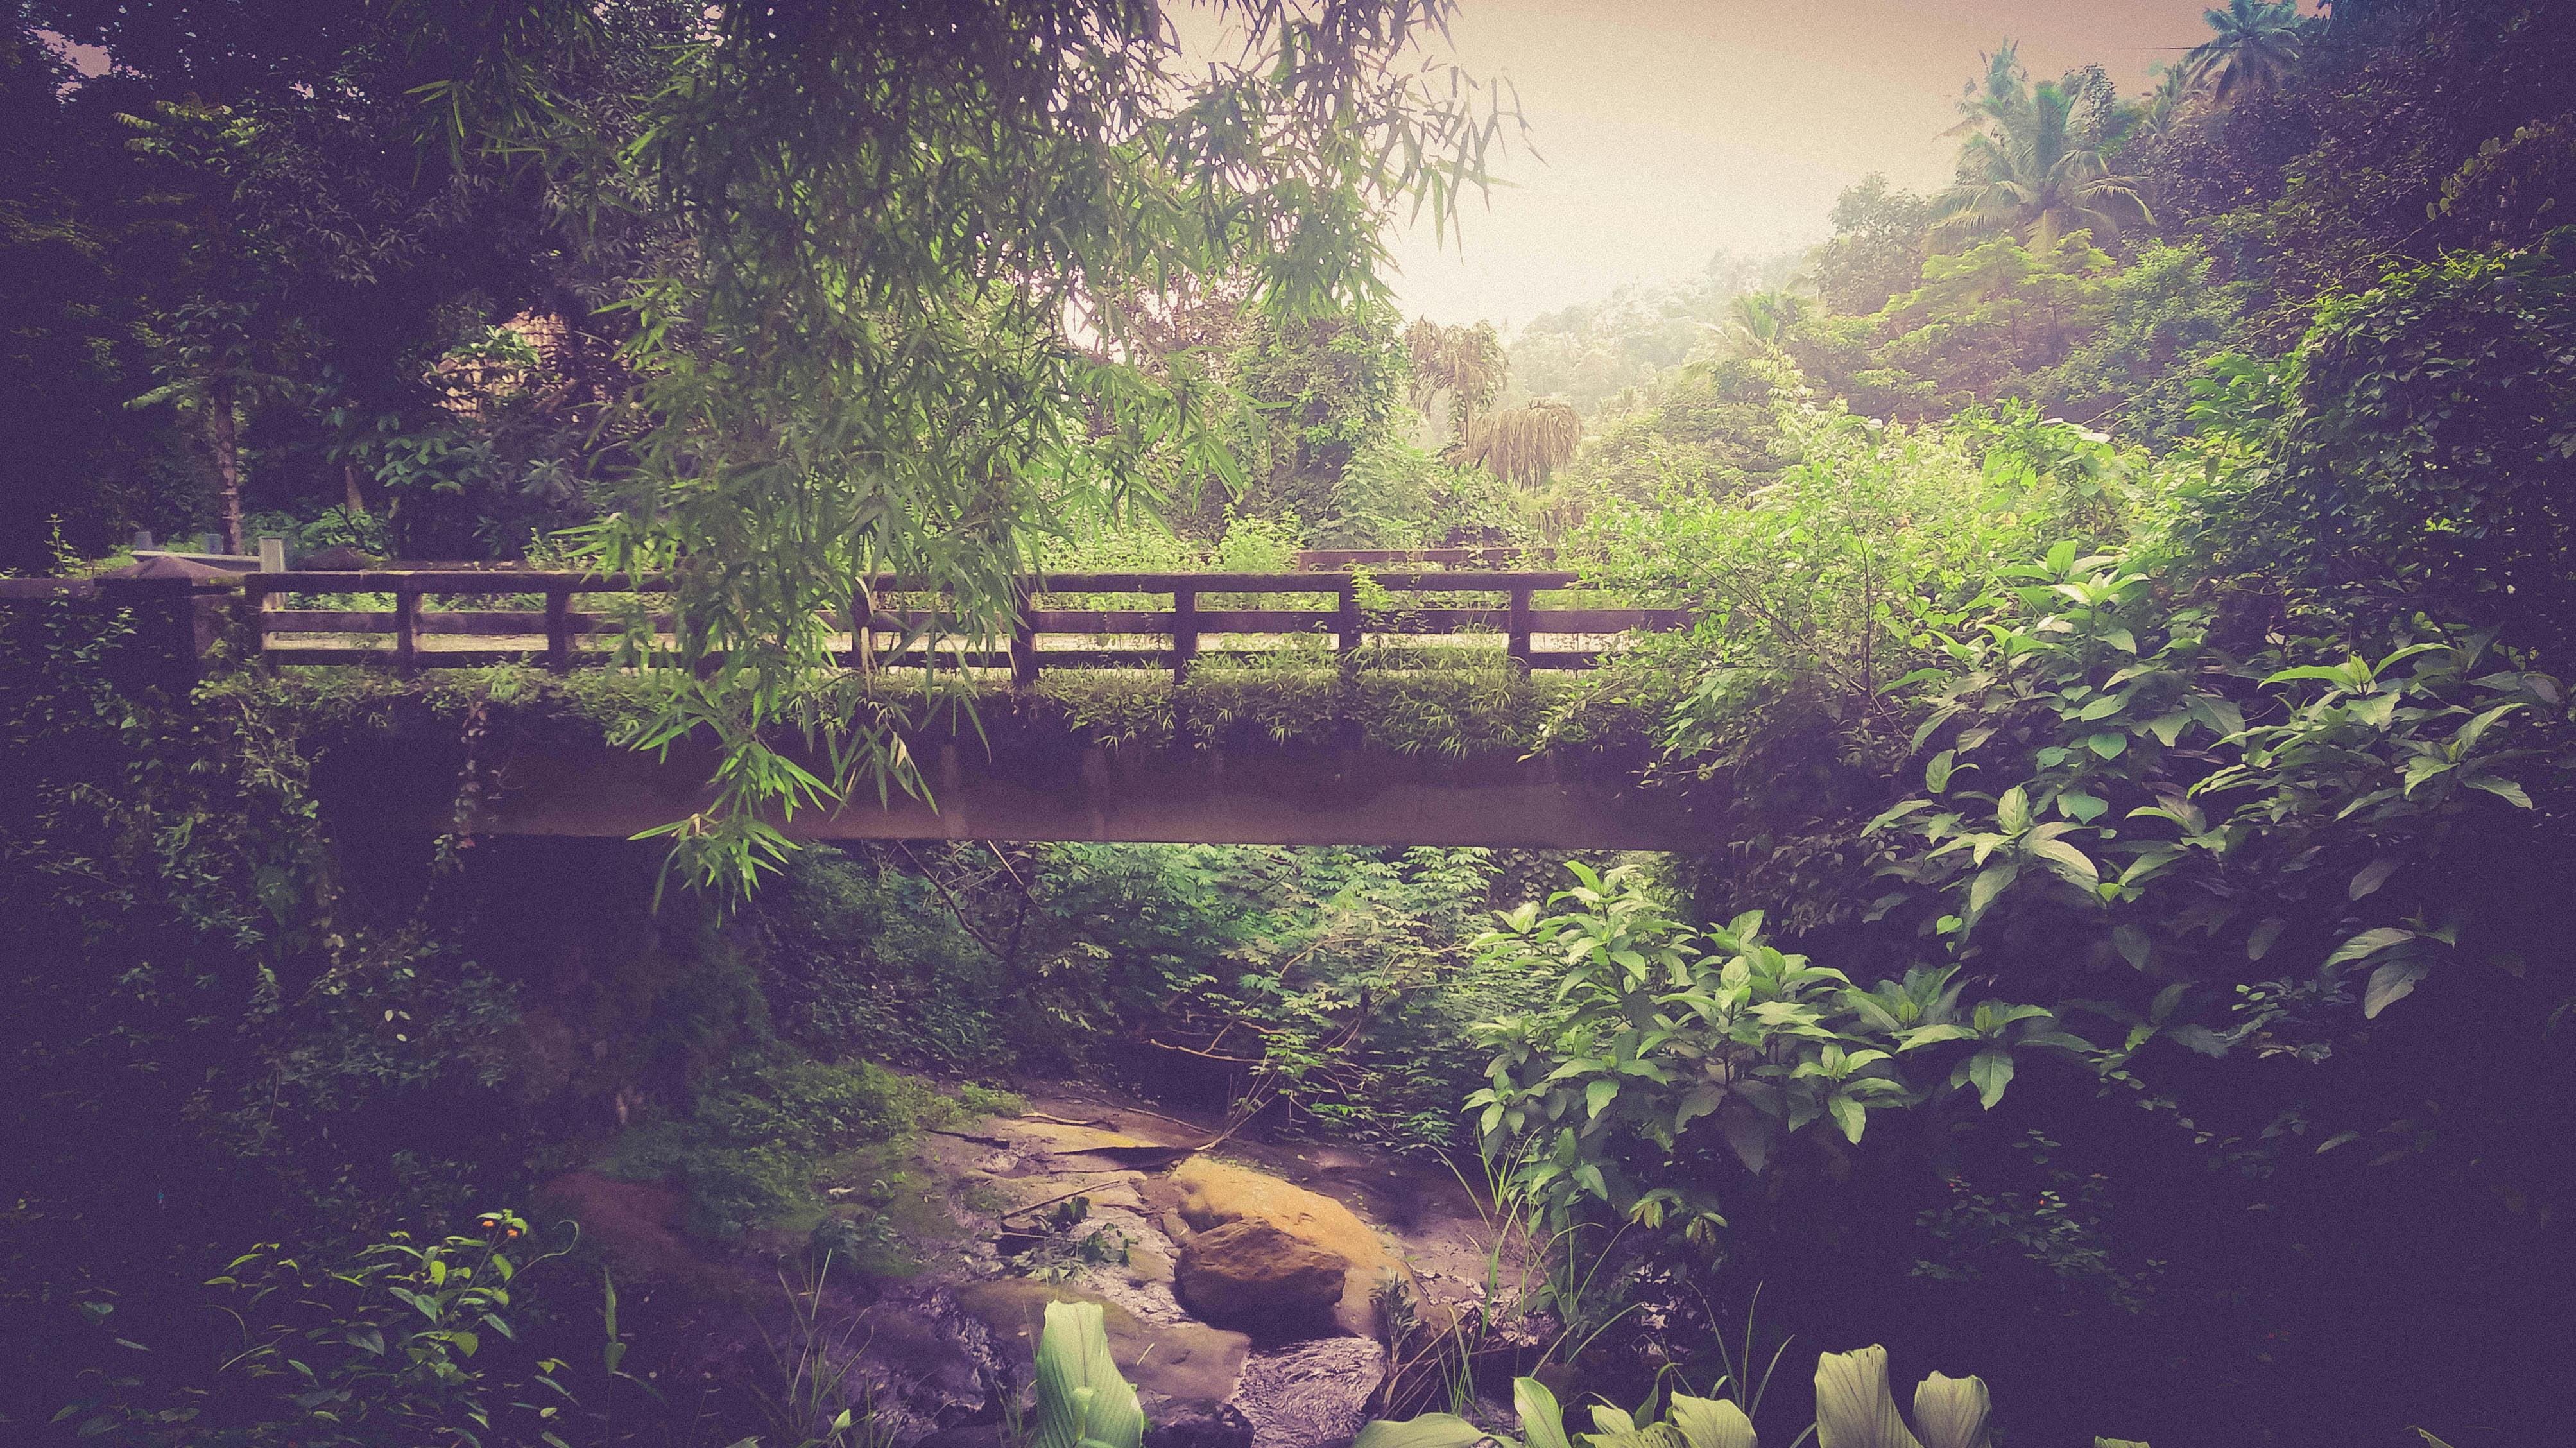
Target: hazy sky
<point>1666,129</point>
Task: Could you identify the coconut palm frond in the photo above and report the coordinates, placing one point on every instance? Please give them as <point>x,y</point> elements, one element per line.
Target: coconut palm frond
<point>2030,170</point>
<point>2253,44</point>
<point>1524,445</point>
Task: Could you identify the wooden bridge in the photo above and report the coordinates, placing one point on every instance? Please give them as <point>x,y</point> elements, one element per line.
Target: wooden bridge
<point>1306,791</point>
<point>882,632</point>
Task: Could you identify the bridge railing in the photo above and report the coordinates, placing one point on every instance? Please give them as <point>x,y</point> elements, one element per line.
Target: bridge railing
<point>1350,608</point>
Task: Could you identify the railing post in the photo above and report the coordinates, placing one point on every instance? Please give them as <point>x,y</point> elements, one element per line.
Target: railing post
<point>1024,635</point>
<point>1185,632</point>
<point>272,559</point>
<point>1520,627</point>
<point>559,627</point>
<point>406,616</point>
<point>1348,625</point>
<point>254,602</point>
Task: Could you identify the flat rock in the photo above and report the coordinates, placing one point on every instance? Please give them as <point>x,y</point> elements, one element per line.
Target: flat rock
<point>1064,1140</point>
<point>1188,1361</point>
<point>1144,1265</point>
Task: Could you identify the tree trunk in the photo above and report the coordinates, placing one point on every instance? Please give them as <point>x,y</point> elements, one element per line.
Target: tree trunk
<point>357,501</point>
<point>221,437</point>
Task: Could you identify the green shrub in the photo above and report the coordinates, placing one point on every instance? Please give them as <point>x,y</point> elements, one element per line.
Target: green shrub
<point>989,1101</point>
<point>398,1342</point>
<point>752,1146</point>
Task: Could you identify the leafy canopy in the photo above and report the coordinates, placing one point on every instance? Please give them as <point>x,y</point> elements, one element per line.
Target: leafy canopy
<point>885,344</point>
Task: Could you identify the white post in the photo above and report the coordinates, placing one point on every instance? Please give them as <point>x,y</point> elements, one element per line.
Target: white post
<point>272,559</point>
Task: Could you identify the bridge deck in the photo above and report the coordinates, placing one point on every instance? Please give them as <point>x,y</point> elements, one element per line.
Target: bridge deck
<point>1285,796</point>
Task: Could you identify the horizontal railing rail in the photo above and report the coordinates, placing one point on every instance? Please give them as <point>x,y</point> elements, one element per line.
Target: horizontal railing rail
<point>1350,610</point>
<point>1442,557</point>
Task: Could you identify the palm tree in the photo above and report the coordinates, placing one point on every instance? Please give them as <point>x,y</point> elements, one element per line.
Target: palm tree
<point>1523,445</point>
<point>1757,321</point>
<point>2026,166</point>
<point>1994,96</point>
<point>2255,44</point>
<point>1467,363</point>
<point>2165,104</point>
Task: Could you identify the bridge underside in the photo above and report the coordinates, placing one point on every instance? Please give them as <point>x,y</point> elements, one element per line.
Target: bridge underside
<point>1287,796</point>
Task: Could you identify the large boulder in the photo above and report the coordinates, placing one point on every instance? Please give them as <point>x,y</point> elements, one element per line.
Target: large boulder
<point>1253,1275</point>
<point>1212,1196</point>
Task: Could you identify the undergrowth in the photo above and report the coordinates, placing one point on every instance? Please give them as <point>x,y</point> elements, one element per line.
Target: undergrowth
<point>1416,699</point>
<point>763,1146</point>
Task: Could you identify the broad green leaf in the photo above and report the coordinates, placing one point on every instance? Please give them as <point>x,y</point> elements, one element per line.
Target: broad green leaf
<point>1850,1115</point>
<point>1700,1101</point>
<point>2368,943</point>
<point>1934,1035</point>
<point>2390,983</point>
<point>1992,1071</point>
<point>2081,807</point>
<point>1710,1422</point>
<point>2221,715</point>
<point>2166,999</point>
<point>2200,1039</point>
<point>1893,813</point>
<point>2329,673</point>
<point>1749,1137</point>
<point>2133,945</point>
<point>2109,744</point>
<point>1431,1430</point>
<point>1597,1095</point>
<point>1542,1421</point>
<point>1951,1412</point>
<point>2467,737</point>
<point>1853,1406</point>
<point>2503,789</point>
<point>2012,811</point>
<point>2424,768</point>
<point>2069,862</point>
<point>2371,876</point>
<point>1612,1422</point>
<point>2260,942</point>
<point>1936,772</point>
<point>1081,1397</point>
<point>1990,882</point>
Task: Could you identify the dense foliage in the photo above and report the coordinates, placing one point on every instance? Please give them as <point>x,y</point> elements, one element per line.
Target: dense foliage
<point>2128,701</point>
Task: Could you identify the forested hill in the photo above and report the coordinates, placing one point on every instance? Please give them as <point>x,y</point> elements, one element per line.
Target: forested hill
<point>2127,707</point>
